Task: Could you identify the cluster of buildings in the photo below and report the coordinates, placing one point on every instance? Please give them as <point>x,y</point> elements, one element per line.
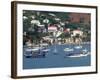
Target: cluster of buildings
<point>59,27</point>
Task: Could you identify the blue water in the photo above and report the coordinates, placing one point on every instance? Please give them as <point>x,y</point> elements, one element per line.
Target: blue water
<point>59,59</point>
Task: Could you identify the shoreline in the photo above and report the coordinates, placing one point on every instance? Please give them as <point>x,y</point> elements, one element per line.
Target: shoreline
<point>76,43</point>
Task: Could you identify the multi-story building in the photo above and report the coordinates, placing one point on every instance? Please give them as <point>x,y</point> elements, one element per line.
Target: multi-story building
<point>80,17</point>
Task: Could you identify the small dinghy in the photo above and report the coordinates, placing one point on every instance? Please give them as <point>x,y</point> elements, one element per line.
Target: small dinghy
<point>78,47</point>
<point>68,49</point>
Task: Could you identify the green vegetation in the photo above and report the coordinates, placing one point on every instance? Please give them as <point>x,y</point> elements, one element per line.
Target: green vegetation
<point>32,30</point>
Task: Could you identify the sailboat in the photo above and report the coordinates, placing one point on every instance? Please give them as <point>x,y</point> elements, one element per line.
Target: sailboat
<point>55,40</point>
<point>79,46</point>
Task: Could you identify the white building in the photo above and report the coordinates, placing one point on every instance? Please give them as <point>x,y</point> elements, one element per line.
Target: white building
<point>52,29</point>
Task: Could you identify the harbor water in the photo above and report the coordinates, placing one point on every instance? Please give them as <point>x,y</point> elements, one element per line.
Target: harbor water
<point>59,59</point>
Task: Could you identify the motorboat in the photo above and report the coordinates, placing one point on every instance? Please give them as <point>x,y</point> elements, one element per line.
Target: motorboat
<point>82,53</point>
<point>36,52</point>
